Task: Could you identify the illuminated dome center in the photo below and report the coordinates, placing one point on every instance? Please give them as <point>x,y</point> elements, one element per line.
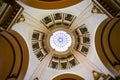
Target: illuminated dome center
<point>60,41</point>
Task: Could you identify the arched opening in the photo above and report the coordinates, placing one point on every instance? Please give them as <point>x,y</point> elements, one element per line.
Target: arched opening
<point>50,4</point>
<point>107,44</point>
<point>14,56</point>
<point>68,77</point>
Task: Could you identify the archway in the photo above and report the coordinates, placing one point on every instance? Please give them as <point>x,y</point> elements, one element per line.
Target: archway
<point>68,77</point>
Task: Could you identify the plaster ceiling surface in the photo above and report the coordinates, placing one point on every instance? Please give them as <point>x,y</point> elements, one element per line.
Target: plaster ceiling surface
<point>87,64</point>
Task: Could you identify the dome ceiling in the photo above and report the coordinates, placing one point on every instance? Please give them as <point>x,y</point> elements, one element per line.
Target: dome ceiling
<point>40,26</point>
<point>50,4</point>
<point>60,40</point>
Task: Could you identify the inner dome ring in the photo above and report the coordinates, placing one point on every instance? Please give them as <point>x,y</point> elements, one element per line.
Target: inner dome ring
<point>48,45</point>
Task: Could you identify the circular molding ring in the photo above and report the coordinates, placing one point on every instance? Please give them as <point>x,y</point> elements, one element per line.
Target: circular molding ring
<point>60,29</point>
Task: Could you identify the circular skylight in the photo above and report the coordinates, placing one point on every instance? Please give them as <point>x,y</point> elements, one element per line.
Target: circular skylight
<point>60,41</point>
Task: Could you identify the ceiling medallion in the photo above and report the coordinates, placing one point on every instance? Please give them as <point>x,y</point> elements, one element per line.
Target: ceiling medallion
<point>60,41</point>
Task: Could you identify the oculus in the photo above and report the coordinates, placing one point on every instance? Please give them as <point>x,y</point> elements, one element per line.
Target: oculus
<point>60,41</point>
